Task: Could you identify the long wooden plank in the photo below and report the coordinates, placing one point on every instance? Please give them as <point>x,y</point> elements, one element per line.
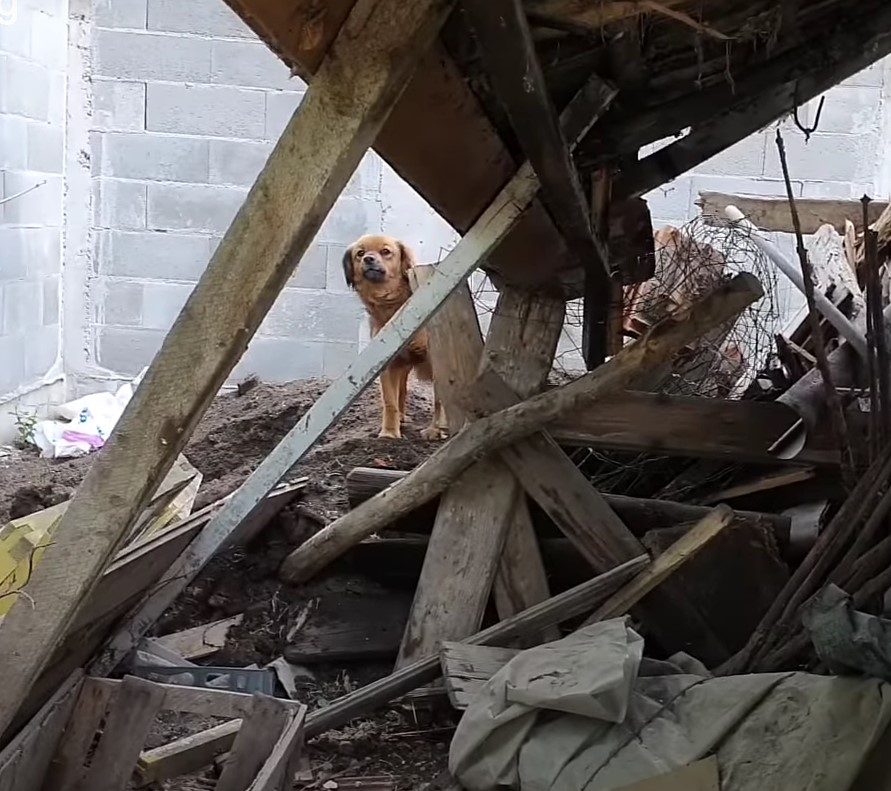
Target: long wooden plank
<point>187,754</point>
<point>137,703</point>
<point>772,214</point>
<point>504,428</point>
<point>278,771</point>
<point>466,668</point>
<point>339,118</point>
<point>689,426</point>
<point>200,641</point>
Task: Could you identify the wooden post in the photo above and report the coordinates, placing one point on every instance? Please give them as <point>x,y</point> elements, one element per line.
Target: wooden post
<point>356,86</point>
<point>503,428</point>
<point>485,235</point>
<point>474,515</point>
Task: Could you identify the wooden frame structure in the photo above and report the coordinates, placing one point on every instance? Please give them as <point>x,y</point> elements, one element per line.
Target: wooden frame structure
<point>498,123</point>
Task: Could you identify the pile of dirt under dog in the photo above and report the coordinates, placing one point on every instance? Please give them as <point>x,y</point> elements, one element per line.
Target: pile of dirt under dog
<point>410,745</point>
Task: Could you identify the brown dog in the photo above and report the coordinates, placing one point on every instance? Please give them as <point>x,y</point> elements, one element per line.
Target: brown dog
<point>377,268</point>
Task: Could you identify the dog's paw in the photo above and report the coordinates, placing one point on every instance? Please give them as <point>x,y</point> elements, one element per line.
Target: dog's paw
<point>433,434</point>
<point>384,434</point>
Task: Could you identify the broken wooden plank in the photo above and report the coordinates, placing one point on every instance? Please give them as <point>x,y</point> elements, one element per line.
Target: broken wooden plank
<point>466,668</point>
<point>330,132</point>
<point>124,735</point>
<point>277,773</point>
<point>530,622</point>
<point>474,513</point>
<point>188,754</point>
<point>261,730</point>
<point>503,428</point>
<point>665,565</point>
<point>348,627</point>
<point>200,641</point>
<point>26,761</point>
<point>772,214</point>
<point>763,483</point>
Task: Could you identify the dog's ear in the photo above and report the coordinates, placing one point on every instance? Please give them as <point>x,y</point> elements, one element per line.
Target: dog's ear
<point>348,266</point>
<point>406,258</point>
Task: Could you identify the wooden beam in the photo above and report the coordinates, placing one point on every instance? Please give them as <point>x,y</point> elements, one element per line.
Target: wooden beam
<point>485,236</point>
<point>278,772</point>
<point>772,214</point>
<point>353,92</point>
<point>509,56</point>
<point>735,431</point>
<point>261,729</point>
<point>188,754</point>
<point>496,431</point>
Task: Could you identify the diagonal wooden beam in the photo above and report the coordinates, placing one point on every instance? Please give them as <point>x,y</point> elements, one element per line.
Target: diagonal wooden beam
<point>509,57</point>
<point>356,87</point>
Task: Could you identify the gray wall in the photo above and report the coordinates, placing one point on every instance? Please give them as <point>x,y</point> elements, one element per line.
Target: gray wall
<point>32,114</point>
<point>186,107</point>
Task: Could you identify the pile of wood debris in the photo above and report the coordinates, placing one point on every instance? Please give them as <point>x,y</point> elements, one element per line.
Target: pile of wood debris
<point>714,540</point>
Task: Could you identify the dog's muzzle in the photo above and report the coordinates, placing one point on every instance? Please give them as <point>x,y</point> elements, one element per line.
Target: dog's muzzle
<point>373,271</point>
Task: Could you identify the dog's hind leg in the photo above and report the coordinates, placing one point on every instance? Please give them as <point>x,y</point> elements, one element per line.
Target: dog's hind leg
<point>403,393</point>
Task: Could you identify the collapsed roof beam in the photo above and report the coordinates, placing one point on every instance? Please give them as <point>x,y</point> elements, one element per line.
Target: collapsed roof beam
<point>509,57</point>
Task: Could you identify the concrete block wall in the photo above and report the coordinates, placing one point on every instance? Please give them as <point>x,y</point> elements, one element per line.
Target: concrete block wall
<point>187,105</point>
<point>32,113</point>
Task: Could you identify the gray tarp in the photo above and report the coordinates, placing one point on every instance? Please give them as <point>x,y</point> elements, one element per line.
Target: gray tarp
<point>587,712</point>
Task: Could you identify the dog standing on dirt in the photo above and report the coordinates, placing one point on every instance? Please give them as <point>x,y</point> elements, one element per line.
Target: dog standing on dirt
<point>377,268</point>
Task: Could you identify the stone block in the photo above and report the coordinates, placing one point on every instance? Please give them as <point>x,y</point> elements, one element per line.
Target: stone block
<point>119,204</point>
<point>280,360</point>
<point>41,206</point>
<point>151,56</point>
<point>118,106</point>
<point>49,41</point>
<point>202,17</point>
<point>214,110</point>
<point>121,302</point>
<point>22,306</point>
<point>311,272</point>
<point>250,64</point>
<point>12,363</point>
<point>162,303</point>
<point>41,351</point>
<point>150,157</point>
<point>336,358</point>
<point>13,143</point>
<point>153,254</point>
<point>24,88</point>
<point>826,157</point>
<point>120,13</point>
<point>193,207</point>
<point>314,315</point>
<point>46,147</point>
<point>746,158</point>
<point>126,351</point>
<point>51,315</point>
<point>349,219</point>
<point>237,162</point>
<point>280,107</point>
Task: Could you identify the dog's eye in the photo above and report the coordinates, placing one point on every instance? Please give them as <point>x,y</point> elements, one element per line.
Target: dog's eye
<point>385,251</point>
<point>360,253</point>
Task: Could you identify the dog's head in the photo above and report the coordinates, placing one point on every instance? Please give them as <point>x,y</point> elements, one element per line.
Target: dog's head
<point>376,259</point>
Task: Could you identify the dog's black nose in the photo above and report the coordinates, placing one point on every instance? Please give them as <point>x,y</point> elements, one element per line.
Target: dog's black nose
<point>369,259</point>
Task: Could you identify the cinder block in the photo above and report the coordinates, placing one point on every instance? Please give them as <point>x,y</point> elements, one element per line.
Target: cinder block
<point>873,75</point>
<point>162,302</point>
<point>314,315</point>
<point>58,100</point>
<point>46,147</point>
<point>279,360</point>
<point>24,88</point>
<point>280,107</point>
<point>349,219</point>
<point>746,158</point>
<point>13,260</point>
<point>49,40</point>
<point>153,254</point>
<point>150,157</point>
<point>50,301</point>
<point>336,357</point>
<point>12,363</point>
<point>835,190</point>
<point>151,56</point>
<point>121,303</point>
<point>205,110</point>
<point>41,351</point>
<point>119,204</point>
<point>204,17</point>
<point>367,182</point>
<point>826,157</point>
<point>237,162</point>
<point>16,39</point>
<point>250,64</point>
<point>13,143</point>
<point>177,207</point>
<point>737,185</point>
<point>127,351</point>
<point>335,280</point>
<point>42,206</point>
<point>672,200</point>
<point>311,271</point>
<point>22,301</point>
<point>120,13</point>
<point>118,106</point>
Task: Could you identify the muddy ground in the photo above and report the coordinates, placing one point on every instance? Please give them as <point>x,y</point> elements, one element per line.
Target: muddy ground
<point>233,438</point>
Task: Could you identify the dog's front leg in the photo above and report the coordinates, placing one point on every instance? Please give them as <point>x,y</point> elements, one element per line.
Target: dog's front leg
<point>439,426</point>
<point>390,418</point>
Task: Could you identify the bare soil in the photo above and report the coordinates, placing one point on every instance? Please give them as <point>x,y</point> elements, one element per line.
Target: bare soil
<point>236,434</point>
